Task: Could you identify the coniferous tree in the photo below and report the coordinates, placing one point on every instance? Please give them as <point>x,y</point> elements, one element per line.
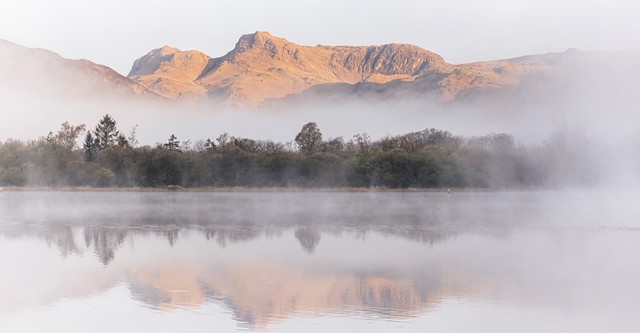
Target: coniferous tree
<point>106,132</point>
<point>122,141</point>
<point>173,143</point>
<point>90,146</point>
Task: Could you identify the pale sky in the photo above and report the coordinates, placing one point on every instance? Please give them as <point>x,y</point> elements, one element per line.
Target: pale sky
<point>116,32</point>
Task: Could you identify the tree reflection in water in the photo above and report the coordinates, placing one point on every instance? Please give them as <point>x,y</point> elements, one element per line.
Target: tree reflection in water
<point>308,237</point>
<point>105,241</point>
<point>214,245</point>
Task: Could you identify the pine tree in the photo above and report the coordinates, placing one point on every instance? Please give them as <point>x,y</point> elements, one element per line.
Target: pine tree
<point>122,141</point>
<point>173,143</point>
<point>106,132</point>
<point>90,146</point>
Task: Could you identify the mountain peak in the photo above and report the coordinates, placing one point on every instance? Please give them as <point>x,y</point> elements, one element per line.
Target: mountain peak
<point>170,71</point>
<point>262,34</point>
<point>165,56</point>
<point>258,40</point>
<point>167,49</point>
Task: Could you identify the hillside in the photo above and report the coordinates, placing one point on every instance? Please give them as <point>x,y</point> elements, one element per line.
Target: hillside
<point>43,72</point>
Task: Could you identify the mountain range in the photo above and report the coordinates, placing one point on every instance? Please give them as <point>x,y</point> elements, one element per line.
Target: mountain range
<point>262,68</point>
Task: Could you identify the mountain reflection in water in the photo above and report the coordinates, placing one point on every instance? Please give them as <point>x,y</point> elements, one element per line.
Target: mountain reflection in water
<point>271,257</point>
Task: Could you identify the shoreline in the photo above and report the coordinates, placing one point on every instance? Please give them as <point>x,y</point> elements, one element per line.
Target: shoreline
<point>177,189</point>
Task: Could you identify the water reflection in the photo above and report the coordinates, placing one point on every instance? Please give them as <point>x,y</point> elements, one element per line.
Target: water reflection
<point>268,258</point>
<point>259,288</point>
<point>308,237</point>
<point>104,241</point>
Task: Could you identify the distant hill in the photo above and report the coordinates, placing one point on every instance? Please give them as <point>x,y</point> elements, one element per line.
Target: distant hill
<point>44,73</point>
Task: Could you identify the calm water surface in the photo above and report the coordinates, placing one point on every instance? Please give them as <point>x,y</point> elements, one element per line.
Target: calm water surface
<point>318,262</point>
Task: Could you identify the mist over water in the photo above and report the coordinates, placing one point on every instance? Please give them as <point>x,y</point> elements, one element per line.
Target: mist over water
<point>524,261</point>
<point>505,261</point>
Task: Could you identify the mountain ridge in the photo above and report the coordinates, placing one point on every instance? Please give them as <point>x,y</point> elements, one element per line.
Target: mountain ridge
<point>44,71</point>
<point>262,66</point>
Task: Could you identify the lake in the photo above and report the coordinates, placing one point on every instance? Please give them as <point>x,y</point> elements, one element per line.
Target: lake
<point>319,261</point>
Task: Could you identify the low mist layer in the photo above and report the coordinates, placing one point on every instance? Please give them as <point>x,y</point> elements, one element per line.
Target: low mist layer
<point>571,120</point>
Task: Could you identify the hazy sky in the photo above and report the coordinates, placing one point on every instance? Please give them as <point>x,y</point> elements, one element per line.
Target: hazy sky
<point>116,32</point>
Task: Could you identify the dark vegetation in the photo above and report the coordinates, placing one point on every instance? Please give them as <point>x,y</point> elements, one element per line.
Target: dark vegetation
<point>427,159</point>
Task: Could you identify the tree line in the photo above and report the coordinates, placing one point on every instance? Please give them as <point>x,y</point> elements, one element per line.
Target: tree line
<point>430,158</point>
